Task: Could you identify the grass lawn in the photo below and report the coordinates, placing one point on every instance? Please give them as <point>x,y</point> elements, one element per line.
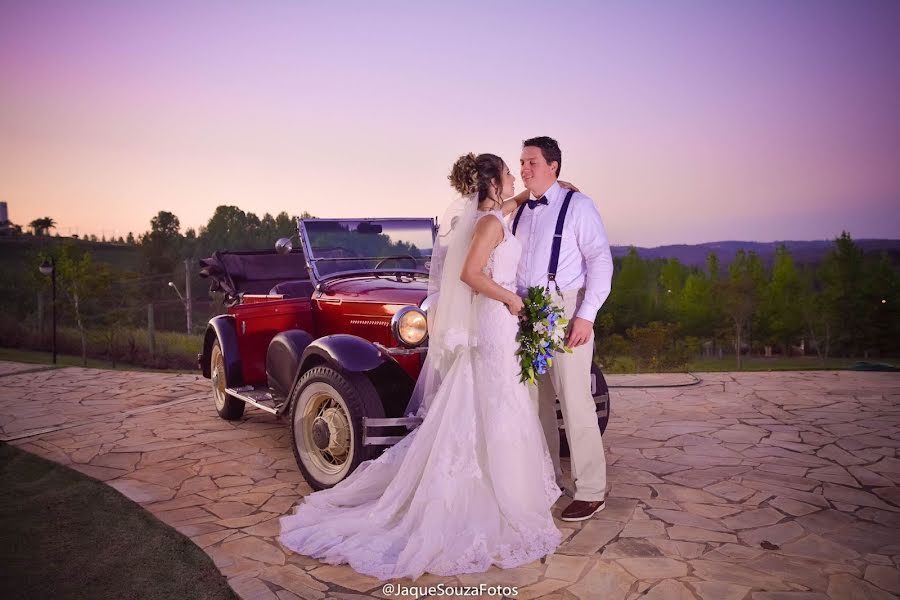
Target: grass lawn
<point>65,535</point>
<point>45,358</point>
<point>777,363</point>
<point>67,360</point>
<point>626,364</point>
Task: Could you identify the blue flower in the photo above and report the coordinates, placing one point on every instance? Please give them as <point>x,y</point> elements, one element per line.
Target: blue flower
<point>540,364</point>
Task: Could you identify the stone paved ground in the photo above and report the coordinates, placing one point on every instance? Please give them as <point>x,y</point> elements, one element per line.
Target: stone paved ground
<point>757,486</point>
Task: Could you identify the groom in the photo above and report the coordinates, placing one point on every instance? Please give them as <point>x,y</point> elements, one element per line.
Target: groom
<point>579,282</point>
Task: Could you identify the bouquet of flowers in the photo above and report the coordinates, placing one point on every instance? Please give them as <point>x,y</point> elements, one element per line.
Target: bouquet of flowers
<point>542,331</point>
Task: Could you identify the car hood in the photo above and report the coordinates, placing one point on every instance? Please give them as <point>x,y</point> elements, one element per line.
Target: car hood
<point>378,289</point>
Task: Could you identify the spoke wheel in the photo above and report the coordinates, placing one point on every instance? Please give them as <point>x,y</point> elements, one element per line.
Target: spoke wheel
<point>228,408</point>
<point>328,407</point>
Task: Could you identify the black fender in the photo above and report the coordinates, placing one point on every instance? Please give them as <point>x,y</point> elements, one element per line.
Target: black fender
<point>283,359</point>
<point>223,328</point>
<point>349,353</point>
<point>340,351</point>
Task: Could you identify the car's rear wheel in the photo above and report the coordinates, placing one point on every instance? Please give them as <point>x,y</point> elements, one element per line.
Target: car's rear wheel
<point>327,413</point>
<point>228,407</point>
<point>599,388</point>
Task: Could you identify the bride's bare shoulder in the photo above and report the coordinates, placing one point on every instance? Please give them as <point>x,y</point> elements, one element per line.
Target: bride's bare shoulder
<point>489,225</point>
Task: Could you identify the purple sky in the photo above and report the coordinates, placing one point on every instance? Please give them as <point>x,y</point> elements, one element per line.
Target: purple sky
<point>685,121</point>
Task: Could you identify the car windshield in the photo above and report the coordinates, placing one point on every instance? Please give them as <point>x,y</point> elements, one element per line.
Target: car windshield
<point>336,246</point>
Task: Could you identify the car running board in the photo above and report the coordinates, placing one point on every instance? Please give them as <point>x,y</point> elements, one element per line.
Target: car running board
<point>374,440</point>
<point>259,396</point>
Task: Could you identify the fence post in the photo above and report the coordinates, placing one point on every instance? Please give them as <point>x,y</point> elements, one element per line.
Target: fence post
<point>40,315</point>
<point>188,305</point>
<point>150,334</point>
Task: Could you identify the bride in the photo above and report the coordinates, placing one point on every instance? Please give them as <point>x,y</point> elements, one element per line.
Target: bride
<point>473,485</point>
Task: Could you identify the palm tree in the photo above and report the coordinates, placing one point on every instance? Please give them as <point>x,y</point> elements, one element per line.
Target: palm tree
<point>43,225</point>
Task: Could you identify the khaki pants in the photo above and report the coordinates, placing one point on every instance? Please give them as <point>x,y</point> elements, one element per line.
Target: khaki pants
<point>569,379</point>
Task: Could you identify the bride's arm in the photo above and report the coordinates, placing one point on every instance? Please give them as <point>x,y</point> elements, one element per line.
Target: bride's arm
<point>488,233</point>
<point>520,198</point>
<point>514,202</point>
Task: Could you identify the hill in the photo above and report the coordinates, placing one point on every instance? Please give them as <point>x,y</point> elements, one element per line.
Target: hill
<point>804,252</point>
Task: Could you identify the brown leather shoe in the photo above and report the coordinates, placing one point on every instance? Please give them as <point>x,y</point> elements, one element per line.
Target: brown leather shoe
<point>581,510</point>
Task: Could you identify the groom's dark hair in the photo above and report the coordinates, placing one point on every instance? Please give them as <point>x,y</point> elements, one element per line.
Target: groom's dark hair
<point>549,149</point>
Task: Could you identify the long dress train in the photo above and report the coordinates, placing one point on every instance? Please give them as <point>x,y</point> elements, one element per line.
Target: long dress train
<point>471,487</point>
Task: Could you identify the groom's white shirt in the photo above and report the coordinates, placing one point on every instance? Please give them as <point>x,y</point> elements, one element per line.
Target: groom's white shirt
<point>585,260</point>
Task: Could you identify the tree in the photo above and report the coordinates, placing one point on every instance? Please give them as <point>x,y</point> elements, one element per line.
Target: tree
<point>749,265</point>
<point>781,301</point>
<point>881,318</point>
<point>843,294</point>
<point>712,266</point>
<point>816,322</point>
<point>698,304</point>
<point>84,283</point>
<point>233,229</point>
<point>286,226</point>
<point>42,226</point>
<point>10,228</point>
<point>228,228</point>
<point>165,225</point>
<point>695,307</point>
<point>739,302</point>
<point>739,296</point>
<point>630,300</point>
<point>161,246</point>
<point>672,277</point>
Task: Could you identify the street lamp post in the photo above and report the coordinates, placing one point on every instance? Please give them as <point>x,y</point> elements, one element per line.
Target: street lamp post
<point>48,267</point>
<point>187,307</point>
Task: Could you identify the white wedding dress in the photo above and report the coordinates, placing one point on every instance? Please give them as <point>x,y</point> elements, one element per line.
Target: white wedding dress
<point>471,487</point>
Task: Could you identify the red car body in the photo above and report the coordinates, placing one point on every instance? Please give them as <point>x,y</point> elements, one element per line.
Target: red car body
<point>317,333</point>
<point>330,336</point>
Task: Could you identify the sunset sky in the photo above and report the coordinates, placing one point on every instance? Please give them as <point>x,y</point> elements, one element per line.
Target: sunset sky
<point>686,121</point>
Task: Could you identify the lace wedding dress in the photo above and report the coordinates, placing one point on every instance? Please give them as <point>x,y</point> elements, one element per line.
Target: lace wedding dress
<point>471,487</point>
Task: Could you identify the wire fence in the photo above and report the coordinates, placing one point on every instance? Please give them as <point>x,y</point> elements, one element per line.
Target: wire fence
<point>135,319</point>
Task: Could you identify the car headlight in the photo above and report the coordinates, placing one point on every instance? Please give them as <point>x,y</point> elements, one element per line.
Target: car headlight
<point>409,326</point>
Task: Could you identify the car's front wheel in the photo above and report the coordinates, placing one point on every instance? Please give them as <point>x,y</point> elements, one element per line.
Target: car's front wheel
<point>228,407</point>
<point>327,413</point>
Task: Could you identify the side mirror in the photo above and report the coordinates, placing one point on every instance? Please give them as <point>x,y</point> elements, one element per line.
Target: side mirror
<point>284,246</point>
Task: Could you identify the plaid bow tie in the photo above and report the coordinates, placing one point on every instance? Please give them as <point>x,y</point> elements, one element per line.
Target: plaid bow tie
<point>541,200</point>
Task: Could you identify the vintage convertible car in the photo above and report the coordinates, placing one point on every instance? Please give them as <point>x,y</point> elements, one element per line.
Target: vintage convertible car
<point>331,335</point>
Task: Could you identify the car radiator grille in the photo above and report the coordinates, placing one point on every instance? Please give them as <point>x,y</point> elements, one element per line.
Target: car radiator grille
<point>370,322</point>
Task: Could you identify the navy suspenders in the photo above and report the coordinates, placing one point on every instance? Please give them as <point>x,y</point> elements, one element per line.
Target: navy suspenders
<point>557,239</point>
<point>518,216</point>
<point>557,243</point>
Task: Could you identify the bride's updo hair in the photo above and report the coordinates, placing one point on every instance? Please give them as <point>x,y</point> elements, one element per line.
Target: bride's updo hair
<point>471,174</point>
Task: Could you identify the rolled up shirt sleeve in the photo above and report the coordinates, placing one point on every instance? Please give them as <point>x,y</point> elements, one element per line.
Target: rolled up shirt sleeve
<point>594,245</point>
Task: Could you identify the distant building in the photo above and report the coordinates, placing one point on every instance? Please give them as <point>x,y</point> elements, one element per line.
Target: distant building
<point>5,225</point>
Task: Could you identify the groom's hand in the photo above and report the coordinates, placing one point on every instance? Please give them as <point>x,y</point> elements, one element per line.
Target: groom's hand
<point>579,332</point>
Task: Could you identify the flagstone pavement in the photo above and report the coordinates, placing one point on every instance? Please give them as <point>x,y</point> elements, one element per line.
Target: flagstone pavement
<point>758,486</point>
